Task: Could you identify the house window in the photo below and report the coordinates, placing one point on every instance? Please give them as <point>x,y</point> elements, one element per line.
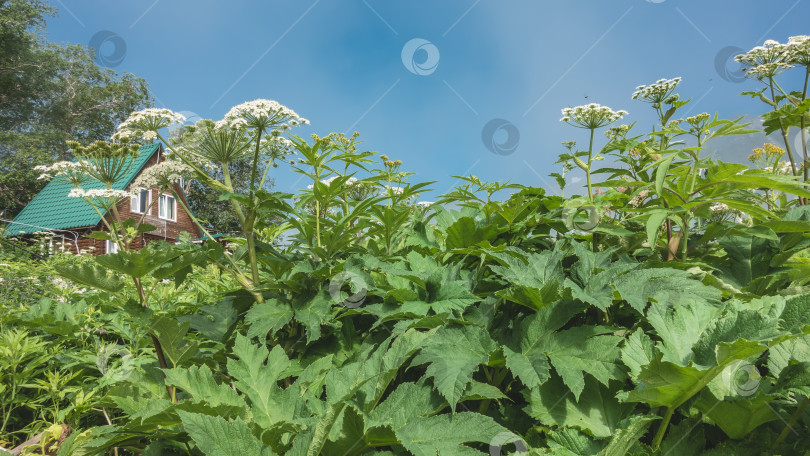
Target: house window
<point>167,207</point>
<point>111,247</point>
<point>140,202</point>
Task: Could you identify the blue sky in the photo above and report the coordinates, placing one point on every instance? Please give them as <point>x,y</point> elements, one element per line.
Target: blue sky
<point>340,64</point>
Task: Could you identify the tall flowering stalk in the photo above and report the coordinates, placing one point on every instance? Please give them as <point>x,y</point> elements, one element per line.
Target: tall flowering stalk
<point>764,63</point>
<point>591,117</point>
<point>249,130</point>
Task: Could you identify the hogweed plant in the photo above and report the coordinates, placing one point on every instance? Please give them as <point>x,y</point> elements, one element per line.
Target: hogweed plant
<point>250,131</point>
<point>789,108</point>
<point>590,117</point>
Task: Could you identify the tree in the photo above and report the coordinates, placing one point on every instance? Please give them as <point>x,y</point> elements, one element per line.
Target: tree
<point>50,94</point>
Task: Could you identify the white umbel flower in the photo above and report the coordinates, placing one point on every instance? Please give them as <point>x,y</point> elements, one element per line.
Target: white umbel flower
<point>766,61</point>
<point>145,123</point>
<point>99,193</point>
<point>163,174</point>
<point>658,92</point>
<point>261,114</point>
<point>591,116</point>
<point>61,168</point>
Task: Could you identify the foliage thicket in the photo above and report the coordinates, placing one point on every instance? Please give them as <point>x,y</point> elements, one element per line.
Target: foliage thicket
<point>50,94</point>
<point>668,314</point>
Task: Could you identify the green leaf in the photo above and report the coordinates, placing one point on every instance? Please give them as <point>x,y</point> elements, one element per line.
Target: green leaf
<point>138,263</point>
<point>661,173</point>
<point>680,328</point>
<point>638,351</point>
<point>453,354</point>
<point>535,282</point>
<point>216,436</point>
<point>215,321</point>
<point>749,257</point>
<point>781,355</point>
<point>464,233</point>
<point>257,372</point>
<point>737,416</point>
<point>181,262</point>
<point>91,275</point>
<point>665,384</point>
<point>171,333</point>
<point>629,432</point>
<point>528,361</point>
<point>596,412</point>
<point>267,318</point>
<point>653,224</point>
<point>198,382</point>
<point>406,403</point>
<point>581,350</point>
<point>445,434</point>
<point>665,286</point>
<point>313,313</point>
<point>532,372</point>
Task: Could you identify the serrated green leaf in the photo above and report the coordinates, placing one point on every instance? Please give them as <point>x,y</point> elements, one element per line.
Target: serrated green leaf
<point>267,318</point>
<point>452,355</point>
<point>199,383</point>
<point>737,416</point>
<point>216,436</point>
<point>596,412</point>
<point>445,434</point>
<point>629,432</point>
<point>91,275</point>
<point>257,372</point>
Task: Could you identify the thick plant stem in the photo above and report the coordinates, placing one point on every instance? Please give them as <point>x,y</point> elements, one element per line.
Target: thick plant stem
<point>162,362</point>
<point>803,125</point>
<point>318,222</point>
<point>784,132</point>
<point>588,171</point>
<point>793,419</point>
<point>662,428</point>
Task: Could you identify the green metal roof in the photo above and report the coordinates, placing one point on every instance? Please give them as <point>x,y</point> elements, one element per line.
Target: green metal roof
<point>52,209</point>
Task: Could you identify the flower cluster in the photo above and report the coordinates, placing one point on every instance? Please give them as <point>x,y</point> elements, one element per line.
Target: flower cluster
<point>144,124</point>
<point>616,133</point>
<point>698,124</point>
<point>163,175</point>
<point>99,193</point>
<point>424,204</point>
<point>659,92</point>
<point>782,168</point>
<point>591,116</point>
<point>261,114</point>
<point>799,50</point>
<point>768,60</point>
<point>767,152</point>
<point>59,169</point>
